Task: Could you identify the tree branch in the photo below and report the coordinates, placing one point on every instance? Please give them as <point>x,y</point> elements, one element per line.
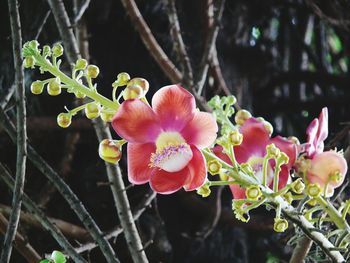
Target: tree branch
<point>21,132</point>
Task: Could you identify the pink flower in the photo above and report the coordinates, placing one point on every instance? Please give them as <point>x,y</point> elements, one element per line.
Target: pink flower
<point>324,168</point>
<point>165,140</point>
<point>252,151</point>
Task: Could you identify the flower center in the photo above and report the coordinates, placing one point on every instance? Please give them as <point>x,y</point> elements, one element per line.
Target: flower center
<point>172,154</point>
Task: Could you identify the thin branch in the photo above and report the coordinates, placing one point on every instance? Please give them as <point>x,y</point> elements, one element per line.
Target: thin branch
<point>301,250</point>
<point>21,245</point>
<point>21,132</point>
<point>42,24</point>
<point>65,191</point>
<point>68,229</point>
<point>209,46</point>
<point>119,229</point>
<point>151,43</point>
<point>41,217</point>
<point>81,10</point>
<point>6,99</point>
<point>180,45</point>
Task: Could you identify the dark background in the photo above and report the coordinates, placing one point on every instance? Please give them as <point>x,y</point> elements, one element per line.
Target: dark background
<point>284,60</point>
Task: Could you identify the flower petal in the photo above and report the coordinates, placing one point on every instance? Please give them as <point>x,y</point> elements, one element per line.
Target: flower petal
<point>217,150</point>
<point>322,132</point>
<point>287,147</point>
<point>136,122</point>
<point>167,183</point>
<point>198,170</point>
<point>237,191</point>
<point>255,139</point>
<point>201,130</point>
<point>174,106</point>
<point>139,155</point>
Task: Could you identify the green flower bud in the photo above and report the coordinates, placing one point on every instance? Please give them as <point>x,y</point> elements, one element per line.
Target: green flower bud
<point>283,158</point>
<point>204,190</point>
<point>288,197</point>
<point>272,151</point>
<point>143,83</point>
<point>298,186</point>
<point>107,116</point>
<point>132,92</point>
<point>241,116</point>
<point>37,87</point>
<point>92,71</point>
<point>214,167</point>
<point>253,192</point>
<point>29,62</point>
<point>92,110</point>
<point>231,100</point>
<point>110,151</point>
<point>313,190</point>
<point>46,51</point>
<point>64,120</point>
<point>79,95</point>
<point>122,79</point>
<point>57,50</point>
<point>54,87</point>
<point>33,44</point>
<point>280,225</point>
<point>235,138</point>
<point>81,64</point>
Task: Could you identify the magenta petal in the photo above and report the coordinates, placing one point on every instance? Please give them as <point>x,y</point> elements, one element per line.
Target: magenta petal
<point>167,183</point>
<point>198,170</point>
<point>287,147</point>
<point>174,106</point>
<point>237,191</point>
<point>136,122</point>
<point>217,150</point>
<point>201,130</point>
<point>139,156</point>
<point>283,177</point>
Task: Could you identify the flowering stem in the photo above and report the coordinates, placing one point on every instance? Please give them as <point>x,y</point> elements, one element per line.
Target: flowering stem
<point>254,204</point>
<point>210,156</point>
<point>218,183</point>
<point>345,210</point>
<point>264,170</point>
<point>276,176</point>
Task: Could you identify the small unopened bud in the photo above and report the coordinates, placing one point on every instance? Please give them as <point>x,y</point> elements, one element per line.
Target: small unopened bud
<point>107,116</point>
<point>79,95</point>
<point>312,202</point>
<point>214,167</point>
<point>29,62</point>
<point>280,225</point>
<point>37,87</point>
<point>298,186</point>
<point>288,197</point>
<point>283,158</point>
<point>122,79</point>
<point>54,87</point>
<point>110,151</point>
<point>294,140</point>
<point>92,110</point>
<point>57,50</point>
<point>268,127</point>
<point>204,190</point>
<point>34,44</point>
<point>241,116</point>
<point>253,192</point>
<point>92,71</point>
<point>272,151</point>
<point>235,138</point>
<point>81,64</point>
<point>64,120</point>
<point>46,51</point>
<point>132,92</point>
<point>231,100</point>
<point>223,176</point>
<point>313,190</point>
<point>143,83</point>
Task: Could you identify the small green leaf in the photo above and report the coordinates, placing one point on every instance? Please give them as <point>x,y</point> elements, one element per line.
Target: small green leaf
<point>58,257</point>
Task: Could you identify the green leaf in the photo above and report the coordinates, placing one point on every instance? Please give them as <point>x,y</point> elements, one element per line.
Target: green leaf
<point>58,257</point>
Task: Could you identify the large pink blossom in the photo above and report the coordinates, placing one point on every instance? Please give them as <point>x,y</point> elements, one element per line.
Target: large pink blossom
<point>164,141</point>
<point>252,151</point>
<point>325,168</point>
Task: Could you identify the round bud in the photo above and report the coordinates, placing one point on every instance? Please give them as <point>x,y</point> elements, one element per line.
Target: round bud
<point>253,192</point>
<point>280,225</point>
<point>107,116</point>
<point>288,197</point>
<point>79,95</point>
<point>34,44</point>
<point>29,62</point>
<point>64,120</point>
<point>313,190</point>
<point>235,137</point>
<point>110,151</point>
<point>81,64</point>
<point>214,167</point>
<point>37,87</point>
<point>241,116</point>
<point>92,71</point>
<point>268,127</point>
<point>92,110</point>
<point>294,140</point>
<point>204,190</point>
<point>143,83</point>
<point>54,87</point>
<point>46,51</point>
<point>123,79</point>
<point>57,50</point>
<point>283,158</point>
<point>132,92</point>
<point>231,100</point>
<point>298,186</point>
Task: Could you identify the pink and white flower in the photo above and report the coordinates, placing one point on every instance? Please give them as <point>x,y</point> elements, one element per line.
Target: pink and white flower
<point>164,141</point>
<point>252,151</point>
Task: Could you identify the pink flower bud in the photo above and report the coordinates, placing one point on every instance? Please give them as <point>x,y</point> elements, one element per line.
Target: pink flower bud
<point>110,151</point>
